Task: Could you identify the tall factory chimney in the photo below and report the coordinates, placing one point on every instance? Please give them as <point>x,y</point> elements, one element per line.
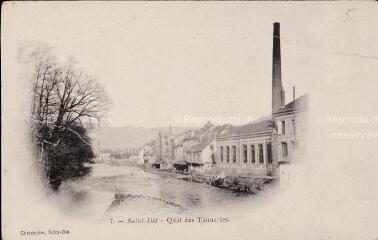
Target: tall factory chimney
<point>278,93</point>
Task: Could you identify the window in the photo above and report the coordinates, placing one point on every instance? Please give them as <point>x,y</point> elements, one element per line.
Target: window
<point>245,154</point>
<point>284,149</point>
<point>269,152</point>
<point>253,154</point>
<point>234,154</point>
<point>283,127</point>
<point>293,124</point>
<point>261,153</point>
<point>221,153</point>
<point>227,154</point>
<point>166,143</point>
<point>279,127</point>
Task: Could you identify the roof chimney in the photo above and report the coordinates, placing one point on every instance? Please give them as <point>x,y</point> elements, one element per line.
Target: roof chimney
<point>293,93</point>
<point>278,93</point>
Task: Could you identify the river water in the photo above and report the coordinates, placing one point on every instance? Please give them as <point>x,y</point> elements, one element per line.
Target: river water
<point>143,193</point>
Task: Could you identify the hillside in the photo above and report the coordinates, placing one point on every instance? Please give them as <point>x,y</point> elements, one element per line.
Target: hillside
<point>128,136</point>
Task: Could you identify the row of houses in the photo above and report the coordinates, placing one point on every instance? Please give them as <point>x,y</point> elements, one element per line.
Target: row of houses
<point>258,148</point>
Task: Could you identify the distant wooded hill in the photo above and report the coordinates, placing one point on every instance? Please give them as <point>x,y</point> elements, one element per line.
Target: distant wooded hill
<point>129,136</point>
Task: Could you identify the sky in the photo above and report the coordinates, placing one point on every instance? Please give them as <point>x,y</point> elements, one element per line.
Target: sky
<point>185,63</point>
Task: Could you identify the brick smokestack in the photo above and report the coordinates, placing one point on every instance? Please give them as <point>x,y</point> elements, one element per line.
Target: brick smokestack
<point>278,93</point>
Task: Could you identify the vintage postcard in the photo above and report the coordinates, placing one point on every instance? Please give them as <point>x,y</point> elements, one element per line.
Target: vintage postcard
<point>189,120</point>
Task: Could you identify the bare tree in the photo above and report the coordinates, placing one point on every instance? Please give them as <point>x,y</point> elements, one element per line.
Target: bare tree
<point>63,95</point>
<point>79,98</point>
<point>64,101</point>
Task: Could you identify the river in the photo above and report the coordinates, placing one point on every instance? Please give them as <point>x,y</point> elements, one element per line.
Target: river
<point>143,193</point>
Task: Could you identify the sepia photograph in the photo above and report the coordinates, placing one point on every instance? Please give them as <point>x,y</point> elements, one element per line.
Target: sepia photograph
<point>189,120</point>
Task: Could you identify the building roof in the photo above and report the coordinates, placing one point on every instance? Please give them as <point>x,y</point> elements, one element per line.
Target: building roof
<point>179,135</point>
<point>209,130</point>
<point>198,133</point>
<point>298,104</point>
<point>178,145</point>
<point>216,130</point>
<point>201,145</point>
<point>178,139</point>
<point>251,128</point>
<point>180,162</point>
<point>206,134</point>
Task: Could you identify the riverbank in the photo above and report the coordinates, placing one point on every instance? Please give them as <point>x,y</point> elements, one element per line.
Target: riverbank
<point>248,184</point>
